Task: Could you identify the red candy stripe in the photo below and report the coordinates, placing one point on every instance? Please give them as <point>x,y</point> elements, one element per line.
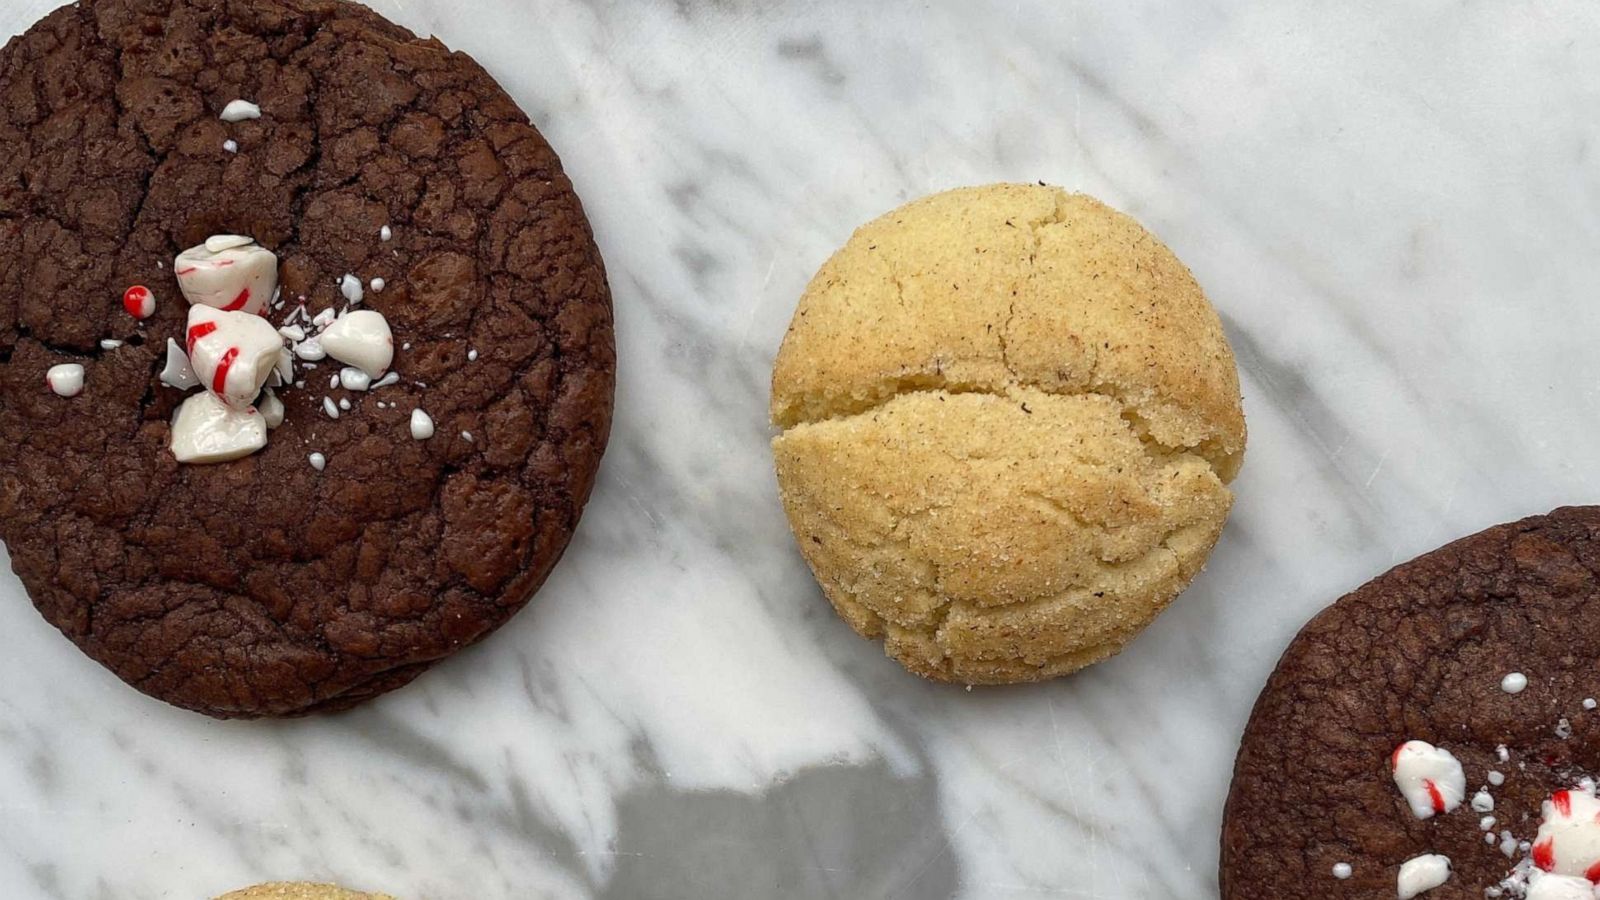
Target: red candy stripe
<point>1593,874</point>
<point>1562,801</point>
<point>199,331</point>
<point>220,380</point>
<point>1544,854</point>
<point>238,302</point>
<point>1433,794</point>
<point>1394,758</point>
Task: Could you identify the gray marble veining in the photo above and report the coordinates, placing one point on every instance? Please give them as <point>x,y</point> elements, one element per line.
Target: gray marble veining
<point>1394,204</point>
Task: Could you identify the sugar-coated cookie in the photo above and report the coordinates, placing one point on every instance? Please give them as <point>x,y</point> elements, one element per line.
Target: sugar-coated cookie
<point>1008,420</point>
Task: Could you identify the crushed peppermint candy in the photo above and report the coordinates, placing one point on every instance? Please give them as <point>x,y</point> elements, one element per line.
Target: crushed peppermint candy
<point>1496,778</point>
<point>472,356</point>
<point>1429,777</point>
<point>110,344</point>
<point>350,287</point>
<point>384,234</point>
<point>1590,703</point>
<point>239,110</point>
<point>377,285</point>
<point>318,461</point>
<point>139,302</point>
<point>1421,874</point>
<point>1342,870</point>
<point>421,425</point>
<point>1514,683</point>
<point>353,379</point>
<point>230,145</point>
<point>1482,802</point>
<point>66,380</point>
<point>329,407</point>
<point>1563,729</point>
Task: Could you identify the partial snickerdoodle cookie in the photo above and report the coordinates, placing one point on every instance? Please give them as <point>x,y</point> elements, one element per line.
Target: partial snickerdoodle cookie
<point>284,890</point>
<point>1008,419</point>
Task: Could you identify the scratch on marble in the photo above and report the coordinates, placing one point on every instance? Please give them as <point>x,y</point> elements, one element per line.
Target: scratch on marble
<point>1376,469</point>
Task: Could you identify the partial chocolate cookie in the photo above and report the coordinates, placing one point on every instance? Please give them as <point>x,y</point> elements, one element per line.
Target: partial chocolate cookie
<point>1443,712</point>
<point>268,585</point>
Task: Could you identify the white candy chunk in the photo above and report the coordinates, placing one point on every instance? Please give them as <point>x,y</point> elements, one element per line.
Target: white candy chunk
<point>206,431</point>
<point>109,343</point>
<point>230,145</point>
<point>310,350</point>
<point>177,372</point>
<point>353,379</point>
<point>1429,778</point>
<point>270,407</point>
<point>360,338</point>
<point>385,381</point>
<point>377,285</point>
<point>285,370</point>
<point>232,353</point>
<point>220,242</point>
<point>66,379</point>
<point>1514,683</point>
<point>385,233</point>
<point>239,110</point>
<point>1421,874</point>
<point>293,332</point>
<point>1560,887</point>
<point>1482,802</point>
<point>330,408</point>
<point>1568,842</point>
<point>239,277</point>
<point>350,287</point>
<point>318,461</point>
<point>421,425</point>
<point>325,318</point>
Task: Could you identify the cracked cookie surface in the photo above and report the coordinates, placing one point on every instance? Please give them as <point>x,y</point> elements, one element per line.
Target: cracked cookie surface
<point>1419,654</point>
<point>262,586</point>
<point>1008,418</point>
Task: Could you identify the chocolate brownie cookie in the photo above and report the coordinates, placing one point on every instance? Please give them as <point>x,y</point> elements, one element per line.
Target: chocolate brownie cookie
<point>350,554</point>
<point>1433,731</point>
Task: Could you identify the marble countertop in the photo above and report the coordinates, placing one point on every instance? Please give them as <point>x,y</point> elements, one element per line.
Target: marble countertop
<point>1394,205</point>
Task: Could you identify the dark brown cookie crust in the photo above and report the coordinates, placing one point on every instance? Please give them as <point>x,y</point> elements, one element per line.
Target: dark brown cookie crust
<point>1418,654</point>
<point>263,587</point>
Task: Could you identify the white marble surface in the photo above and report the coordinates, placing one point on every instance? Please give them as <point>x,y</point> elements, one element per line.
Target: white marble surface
<point>1394,204</point>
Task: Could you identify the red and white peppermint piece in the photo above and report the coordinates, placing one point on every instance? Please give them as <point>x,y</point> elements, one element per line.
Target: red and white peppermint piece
<point>1429,777</point>
<point>228,272</point>
<point>139,302</point>
<point>232,353</point>
<point>1568,842</point>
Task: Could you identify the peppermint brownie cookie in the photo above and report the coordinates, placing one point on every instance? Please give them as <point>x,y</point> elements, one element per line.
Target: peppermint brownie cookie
<point>1435,733</point>
<point>306,354</point>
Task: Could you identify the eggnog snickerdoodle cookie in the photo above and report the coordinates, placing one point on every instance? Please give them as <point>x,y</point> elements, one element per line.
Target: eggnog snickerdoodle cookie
<point>1009,416</point>
<point>284,890</point>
